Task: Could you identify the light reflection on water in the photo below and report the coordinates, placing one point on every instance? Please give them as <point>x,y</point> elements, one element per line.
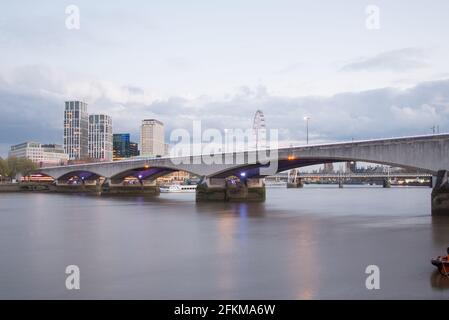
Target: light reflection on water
<point>310,243</point>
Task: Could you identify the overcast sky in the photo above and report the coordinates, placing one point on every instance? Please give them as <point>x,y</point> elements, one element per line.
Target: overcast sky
<point>220,61</point>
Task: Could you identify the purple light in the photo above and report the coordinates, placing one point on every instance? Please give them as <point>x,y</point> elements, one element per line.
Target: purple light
<point>242,174</point>
<point>140,176</point>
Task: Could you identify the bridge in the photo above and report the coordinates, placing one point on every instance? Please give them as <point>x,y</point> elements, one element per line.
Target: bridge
<point>363,175</point>
<point>238,175</point>
<point>296,180</point>
<point>349,175</point>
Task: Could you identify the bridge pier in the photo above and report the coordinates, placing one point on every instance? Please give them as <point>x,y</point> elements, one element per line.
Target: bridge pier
<point>107,187</point>
<point>143,187</point>
<point>386,183</point>
<point>85,187</point>
<point>295,184</point>
<point>440,194</point>
<point>220,189</point>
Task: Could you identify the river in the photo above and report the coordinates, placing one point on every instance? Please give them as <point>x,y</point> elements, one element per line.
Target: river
<point>310,243</point>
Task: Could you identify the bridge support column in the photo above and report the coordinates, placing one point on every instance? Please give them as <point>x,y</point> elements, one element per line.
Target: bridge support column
<point>386,183</point>
<point>220,189</point>
<point>143,187</point>
<point>432,182</point>
<point>295,184</point>
<point>90,186</point>
<point>440,194</point>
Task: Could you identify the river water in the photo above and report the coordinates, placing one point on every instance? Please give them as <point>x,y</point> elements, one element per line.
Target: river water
<point>310,243</point>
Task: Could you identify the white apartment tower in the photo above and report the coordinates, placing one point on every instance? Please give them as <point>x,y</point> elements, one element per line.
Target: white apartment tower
<point>100,137</point>
<point>76,126</point>
<point>152,142</point>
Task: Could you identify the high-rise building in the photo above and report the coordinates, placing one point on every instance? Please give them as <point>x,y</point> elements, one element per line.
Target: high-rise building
<point>133,149</point>
<point>44,155</point>
<point>152,138</point>
<point>100,137</point>
<point>166,149</point>
<point>121,145</point>
<point>328,168</point>
<point>124,147</point>
<point>76,130</point>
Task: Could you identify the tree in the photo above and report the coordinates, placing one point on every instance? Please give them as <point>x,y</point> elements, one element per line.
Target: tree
<point>12,166</point>
<point>3,168</point>
<point>25,166</point>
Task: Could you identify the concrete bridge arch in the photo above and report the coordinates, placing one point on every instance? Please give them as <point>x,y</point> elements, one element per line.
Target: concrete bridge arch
<point>429,153</point>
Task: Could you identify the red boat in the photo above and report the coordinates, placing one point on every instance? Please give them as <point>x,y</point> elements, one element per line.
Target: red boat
<point>442,263</point>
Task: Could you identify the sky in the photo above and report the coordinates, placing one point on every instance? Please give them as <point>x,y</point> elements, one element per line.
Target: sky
<point>220,61</point>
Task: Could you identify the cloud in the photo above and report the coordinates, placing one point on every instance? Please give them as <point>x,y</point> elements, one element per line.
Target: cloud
<point>27,117</point>
<point>401,60</point>
<point>32,102</point>
<point>290,68</point>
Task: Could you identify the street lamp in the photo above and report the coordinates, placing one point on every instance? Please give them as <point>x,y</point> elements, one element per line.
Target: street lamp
<point>306,119</point>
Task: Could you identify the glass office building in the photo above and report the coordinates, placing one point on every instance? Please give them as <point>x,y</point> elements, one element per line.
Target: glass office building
<point>124,147</point>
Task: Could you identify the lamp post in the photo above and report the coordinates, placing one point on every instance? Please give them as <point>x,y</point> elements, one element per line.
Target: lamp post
<point>306,119</point>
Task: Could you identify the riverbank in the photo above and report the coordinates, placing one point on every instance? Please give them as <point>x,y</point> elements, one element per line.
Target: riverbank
<point>24,187</point>
<point>78,189</point>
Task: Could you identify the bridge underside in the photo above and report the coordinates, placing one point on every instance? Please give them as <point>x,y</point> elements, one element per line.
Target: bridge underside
<point>136,181</point>
<point>257,170</point>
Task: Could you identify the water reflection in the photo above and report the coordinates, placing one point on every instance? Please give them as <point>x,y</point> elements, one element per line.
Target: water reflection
<point>240,209</point>
<point>440,232</point>
<point>227,245</point>
<point>438,281</point>
<point>306,266</point>
<point>300,244</point>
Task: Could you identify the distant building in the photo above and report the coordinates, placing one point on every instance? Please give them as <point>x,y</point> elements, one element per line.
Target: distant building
<point>134,149</point>
<point>123,147</point>
<point>100,137</point>
<point>351,166</point>
<point>166,149</point>
<point>76,130</point>
<point>44,155</point>
<point>328,168</point>
<point>152,138</point>
<point>175,177</point>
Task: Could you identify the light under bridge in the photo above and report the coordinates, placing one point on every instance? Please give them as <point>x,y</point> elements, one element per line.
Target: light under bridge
<point>427,153</point>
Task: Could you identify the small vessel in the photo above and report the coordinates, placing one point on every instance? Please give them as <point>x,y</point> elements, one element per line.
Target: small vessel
<point>184,188</point>
<point>270,184</point>
<point>442,263</point>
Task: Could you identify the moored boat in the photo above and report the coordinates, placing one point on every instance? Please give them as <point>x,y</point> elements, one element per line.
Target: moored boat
<point>442,263</point>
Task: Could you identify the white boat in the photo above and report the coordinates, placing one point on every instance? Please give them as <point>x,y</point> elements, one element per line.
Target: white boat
<point>270,184</point>
<point>178,188</point>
